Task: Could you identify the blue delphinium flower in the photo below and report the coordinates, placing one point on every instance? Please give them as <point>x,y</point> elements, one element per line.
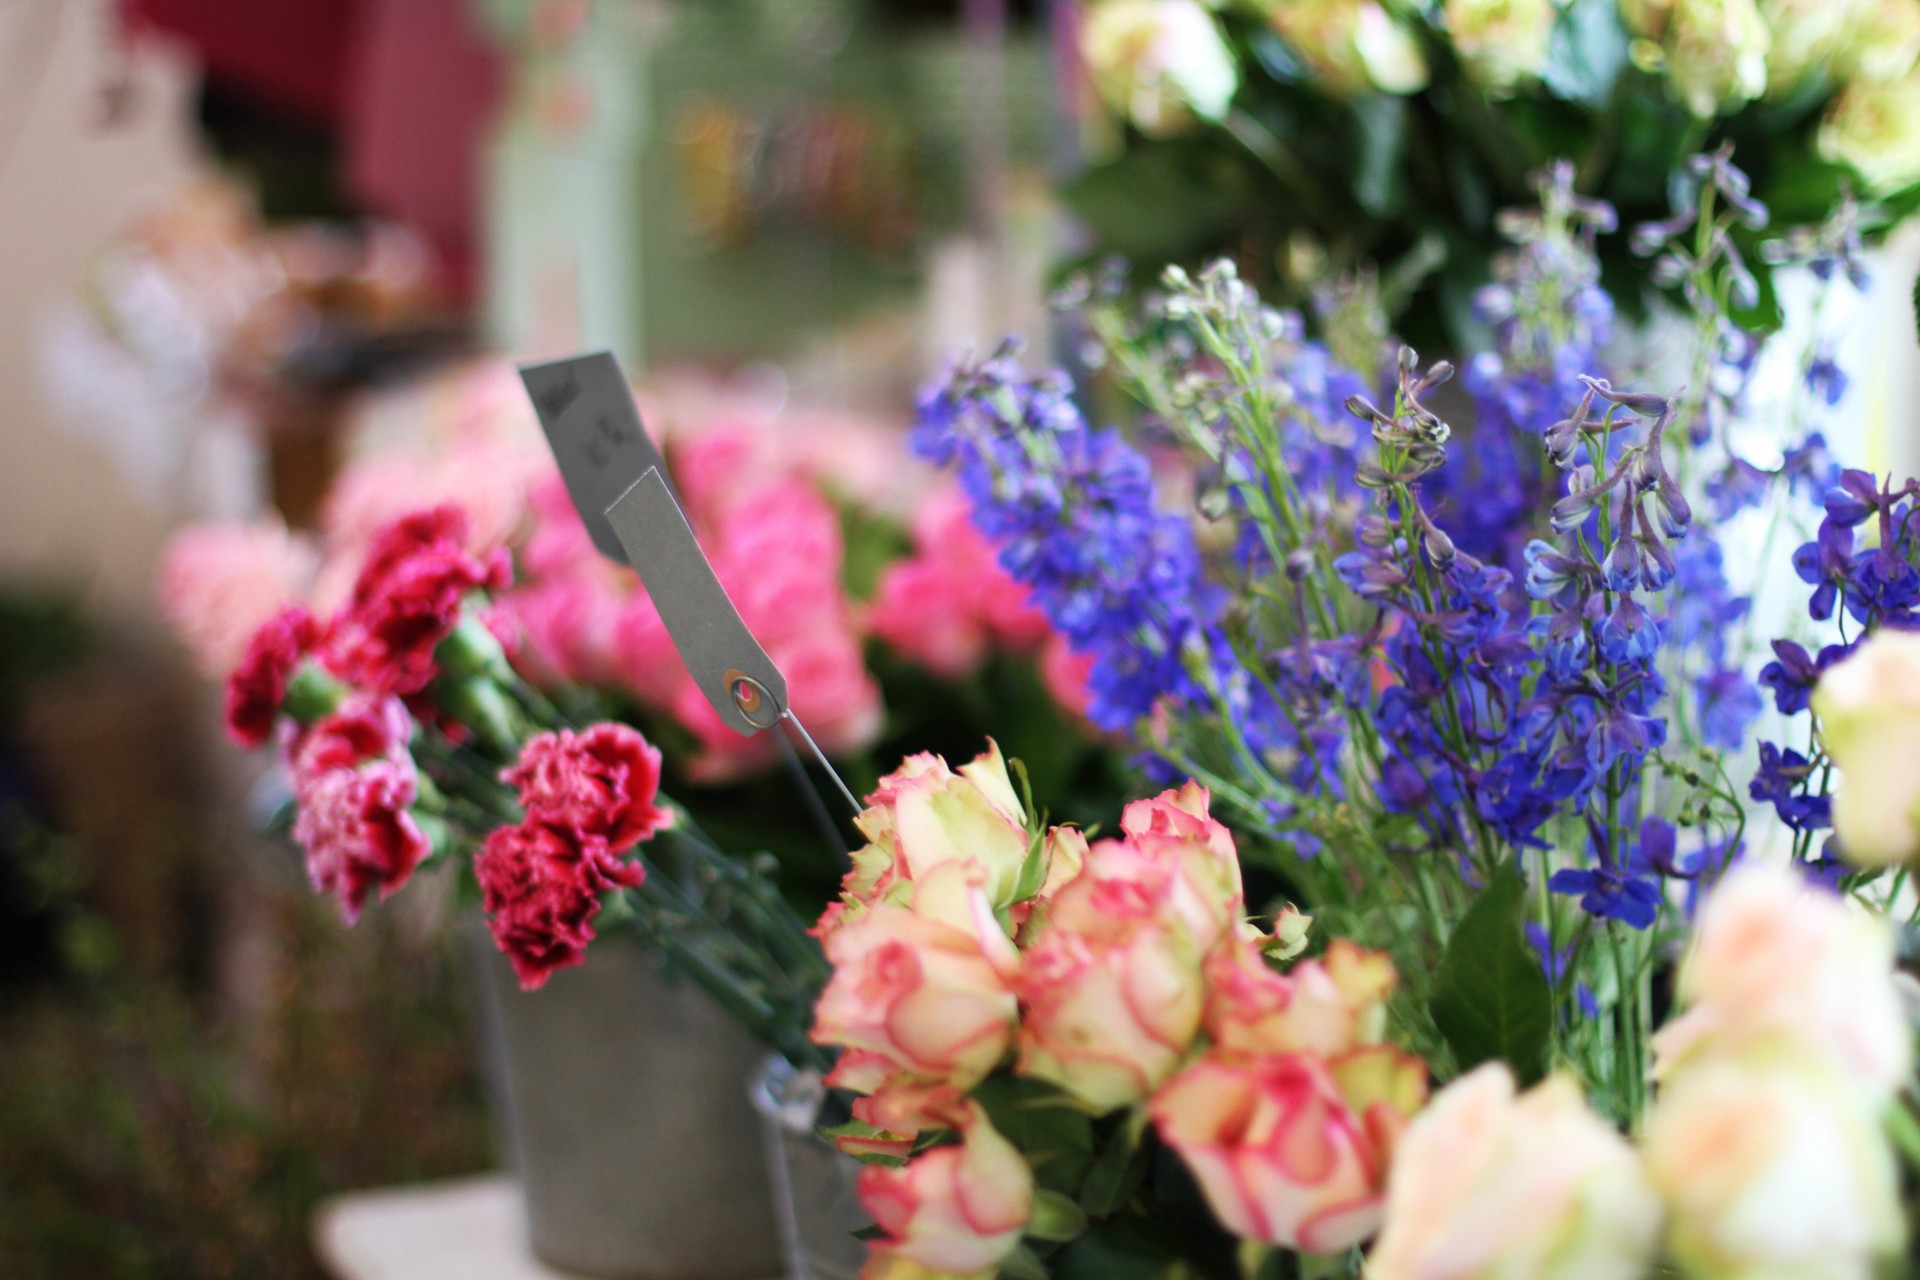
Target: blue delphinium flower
<point>1074,513</point>
<point>1550,318</point>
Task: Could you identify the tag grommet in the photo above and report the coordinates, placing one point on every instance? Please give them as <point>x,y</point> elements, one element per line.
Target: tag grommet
<point>755,703</point>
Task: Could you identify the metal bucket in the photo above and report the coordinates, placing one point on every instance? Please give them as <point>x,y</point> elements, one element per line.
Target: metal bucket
<point>622,1100</point>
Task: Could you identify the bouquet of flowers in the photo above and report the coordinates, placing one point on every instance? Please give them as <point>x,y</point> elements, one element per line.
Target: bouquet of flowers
<point>1311,139</point>
<point>1445,924</point>
<point>859,572</point>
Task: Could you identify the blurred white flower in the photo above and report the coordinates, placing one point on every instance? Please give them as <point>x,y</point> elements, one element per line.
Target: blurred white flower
<point>1490,1186</point>
<point>1772,1173</point>
<point>1873,128</point>
<point>1869,704</point>
<point>1351,46</point>
<point>1713,52</point>
<point>1160,63</point>
<point>1502,42</point>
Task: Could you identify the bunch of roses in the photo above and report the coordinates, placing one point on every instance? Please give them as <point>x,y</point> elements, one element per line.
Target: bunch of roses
<point>589,797</point>
<point>1763,1155</point>
<point>1124,974</point>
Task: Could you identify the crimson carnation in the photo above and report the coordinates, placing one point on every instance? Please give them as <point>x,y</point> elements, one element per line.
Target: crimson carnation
<point>359,836</point>
<point>407,599</point>
<point>363,727</point>
<point>541,889</point>
<point>258,685</point>
<point>603,782</point>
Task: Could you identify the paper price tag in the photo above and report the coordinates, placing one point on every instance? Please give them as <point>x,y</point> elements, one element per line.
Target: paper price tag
<point>728,664</point>
<point>593,426</point>
<point>618,483</point>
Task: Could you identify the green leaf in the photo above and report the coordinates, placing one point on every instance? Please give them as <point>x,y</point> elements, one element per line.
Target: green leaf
<point>860,1129</point>
<point>1056,1217</point>
<point>1382,121</point>
<point>1023,1264</point>
<point>1033,870</point>
<point>1586,52</point>
<point>1490,998</point>
<point>1116,1174</point>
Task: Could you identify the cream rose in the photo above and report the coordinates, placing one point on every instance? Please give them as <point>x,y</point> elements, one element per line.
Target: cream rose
<point>1489,1184</point>
<point>1502,42</point>
<point>1779,970</point>
<point>1160,63</point>
<point>1772,1173</point>
<point>1869,705</point>
<point>1873,128</point>
<point>1326,1007</point>
<point>1351,46</point>
<point>925,815</point>
<point>1714,51</point>
<point>921,994</point>
<point>1286,1151</point>
<point>1809,36</point>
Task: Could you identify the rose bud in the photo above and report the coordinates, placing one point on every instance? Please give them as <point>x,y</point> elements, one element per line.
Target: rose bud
<point>953,1210</point>
<point>1174,827</point>
<point>1277,1148</point>
<point>1487,1185</point>
<point>925,991</point>
<point>1326,1007</point>
<point>1112,982</point>
<point>924,815</point>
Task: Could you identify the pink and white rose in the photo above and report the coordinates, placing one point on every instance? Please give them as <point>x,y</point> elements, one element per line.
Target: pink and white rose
<point>956,1210</point>
<point>1111,983</point>
<point>1279,1147</point>
<point>921,992</point>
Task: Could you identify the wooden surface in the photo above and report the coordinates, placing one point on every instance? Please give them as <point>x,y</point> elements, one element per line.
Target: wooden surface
<point>468,1229</point>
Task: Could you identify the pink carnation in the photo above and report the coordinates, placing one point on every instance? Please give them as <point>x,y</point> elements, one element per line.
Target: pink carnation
<point>219,582</point>
<point>541,890</point>
<point>408,599</point>
<point>258,684</point>
<point>558,543</point>
<point>951,602</point>
<point>354,784</point>
<point>562,631</point>
<point>602,782</point>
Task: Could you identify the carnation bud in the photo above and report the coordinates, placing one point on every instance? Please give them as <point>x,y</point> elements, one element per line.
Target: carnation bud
<point>311,694</point>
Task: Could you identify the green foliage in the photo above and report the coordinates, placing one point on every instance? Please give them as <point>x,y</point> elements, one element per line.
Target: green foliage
<point>1490,998</point>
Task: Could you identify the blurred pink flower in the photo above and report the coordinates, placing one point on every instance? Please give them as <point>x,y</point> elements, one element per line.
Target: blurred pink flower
<point>487,477</point>
<point>951,603</point>
<point>219,582</point>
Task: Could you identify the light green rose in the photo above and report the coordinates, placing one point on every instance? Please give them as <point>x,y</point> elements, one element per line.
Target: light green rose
<point>1713,52</point>
<point>1502,42</point>
<point>1159,63</point>
<point>1352,46</point>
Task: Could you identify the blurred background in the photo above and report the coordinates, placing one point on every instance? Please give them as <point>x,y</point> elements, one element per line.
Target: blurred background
<point>248,241</point>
